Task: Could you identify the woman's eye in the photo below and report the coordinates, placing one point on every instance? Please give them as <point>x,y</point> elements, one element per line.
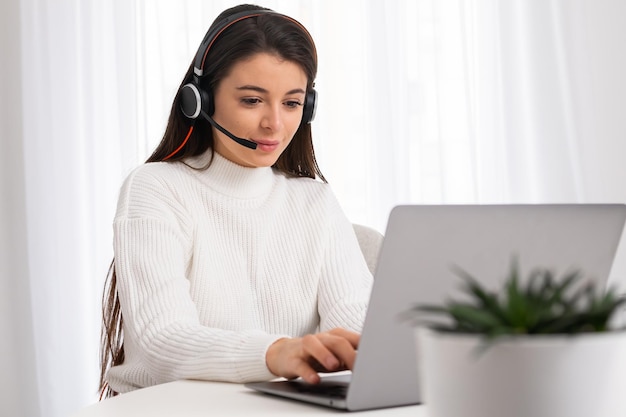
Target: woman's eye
<point>250,101</point>
<point>293,104</point>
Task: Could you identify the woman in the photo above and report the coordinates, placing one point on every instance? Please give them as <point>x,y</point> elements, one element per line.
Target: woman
<point>233,261</point>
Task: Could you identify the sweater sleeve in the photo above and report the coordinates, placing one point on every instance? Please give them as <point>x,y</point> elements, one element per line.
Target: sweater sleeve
<point>152,251</point>
<point>346,281</point>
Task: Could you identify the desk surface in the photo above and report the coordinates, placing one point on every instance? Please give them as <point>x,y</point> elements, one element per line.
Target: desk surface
<point>200,398</point>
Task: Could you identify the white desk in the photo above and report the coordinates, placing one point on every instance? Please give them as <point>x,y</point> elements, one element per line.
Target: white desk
<point>199,398</point>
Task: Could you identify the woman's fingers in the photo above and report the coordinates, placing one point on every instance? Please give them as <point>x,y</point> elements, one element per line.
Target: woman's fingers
<point>352,337</point>
<point>307,373</point>
<point>320,348</point>
<point>330,351</point>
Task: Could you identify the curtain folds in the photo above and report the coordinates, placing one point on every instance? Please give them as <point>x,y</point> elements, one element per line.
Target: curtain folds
<point>74,106</point>
<point>420,101</point>
<point>18,372</point>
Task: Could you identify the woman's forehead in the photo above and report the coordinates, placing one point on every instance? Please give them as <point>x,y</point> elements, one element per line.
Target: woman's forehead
<point>266,71</point>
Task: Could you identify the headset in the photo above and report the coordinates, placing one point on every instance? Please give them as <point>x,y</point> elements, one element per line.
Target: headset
<point>196,101</point>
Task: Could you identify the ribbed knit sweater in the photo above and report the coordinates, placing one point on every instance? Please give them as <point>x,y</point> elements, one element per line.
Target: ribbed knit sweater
<point>215,265</point>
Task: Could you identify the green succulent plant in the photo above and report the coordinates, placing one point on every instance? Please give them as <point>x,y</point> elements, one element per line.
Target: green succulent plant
<point>543,305</point>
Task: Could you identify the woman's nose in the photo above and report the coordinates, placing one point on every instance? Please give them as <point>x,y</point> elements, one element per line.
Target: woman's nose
<point>272,118</point>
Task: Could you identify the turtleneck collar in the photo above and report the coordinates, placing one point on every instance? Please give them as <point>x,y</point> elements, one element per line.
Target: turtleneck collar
<point>231,179</point>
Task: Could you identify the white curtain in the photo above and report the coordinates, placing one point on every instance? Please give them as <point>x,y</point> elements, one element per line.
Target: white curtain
<point>68,122</point>
<point>421,101</point>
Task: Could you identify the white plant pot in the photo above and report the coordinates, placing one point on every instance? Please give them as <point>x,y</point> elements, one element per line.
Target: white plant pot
<point>525,376</point>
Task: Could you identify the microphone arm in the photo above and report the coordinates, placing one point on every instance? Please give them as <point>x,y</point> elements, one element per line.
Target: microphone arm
<point>244,142</point>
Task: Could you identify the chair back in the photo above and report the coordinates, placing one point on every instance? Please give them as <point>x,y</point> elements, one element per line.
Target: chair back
<point>370,241</point>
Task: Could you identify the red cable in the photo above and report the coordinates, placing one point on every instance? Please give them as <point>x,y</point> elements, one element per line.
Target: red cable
<point>181,145</point>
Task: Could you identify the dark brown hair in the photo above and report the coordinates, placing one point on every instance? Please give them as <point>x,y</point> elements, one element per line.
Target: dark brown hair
<point>269,32</point>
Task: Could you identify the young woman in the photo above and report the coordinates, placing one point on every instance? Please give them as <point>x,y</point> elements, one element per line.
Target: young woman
<point>233,260</point>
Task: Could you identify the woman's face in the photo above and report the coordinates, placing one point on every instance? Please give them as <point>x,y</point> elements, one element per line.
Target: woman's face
<point>261,100</point>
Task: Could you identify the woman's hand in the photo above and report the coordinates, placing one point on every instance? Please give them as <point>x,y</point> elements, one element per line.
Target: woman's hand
<point>304,357</point>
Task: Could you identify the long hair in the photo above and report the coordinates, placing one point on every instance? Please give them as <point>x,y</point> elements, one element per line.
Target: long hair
<point>271,33</point>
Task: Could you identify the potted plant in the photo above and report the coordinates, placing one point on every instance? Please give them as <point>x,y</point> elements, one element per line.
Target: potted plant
<point>544,347</point>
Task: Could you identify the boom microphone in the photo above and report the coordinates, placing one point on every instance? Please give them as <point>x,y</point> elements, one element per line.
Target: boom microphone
<point>244,142</point>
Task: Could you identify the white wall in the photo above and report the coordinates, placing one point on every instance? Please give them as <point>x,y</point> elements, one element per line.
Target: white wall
<point>601,61</point>
<point>600,110</point>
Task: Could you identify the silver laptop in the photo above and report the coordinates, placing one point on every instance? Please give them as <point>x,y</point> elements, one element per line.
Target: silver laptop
<point>422,243</point>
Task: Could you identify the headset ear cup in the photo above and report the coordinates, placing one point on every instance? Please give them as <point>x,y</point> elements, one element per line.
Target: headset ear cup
<point>190,101</point>
<point>310,106</point>
<point>207,101</point>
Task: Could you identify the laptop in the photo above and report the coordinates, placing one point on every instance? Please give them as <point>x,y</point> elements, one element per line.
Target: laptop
<point>422,243</point>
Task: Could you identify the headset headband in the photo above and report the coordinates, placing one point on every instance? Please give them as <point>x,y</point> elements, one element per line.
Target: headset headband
<point>212,35</point>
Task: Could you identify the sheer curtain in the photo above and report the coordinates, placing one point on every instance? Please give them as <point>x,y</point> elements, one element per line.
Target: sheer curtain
<point>421,101</point>
<point>68,120</point>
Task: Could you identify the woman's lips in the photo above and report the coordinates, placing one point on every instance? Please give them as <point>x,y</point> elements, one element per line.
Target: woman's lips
<point>266,145</point>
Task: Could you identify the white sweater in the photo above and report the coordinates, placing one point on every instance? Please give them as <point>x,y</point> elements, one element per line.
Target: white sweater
<point>215,265</point>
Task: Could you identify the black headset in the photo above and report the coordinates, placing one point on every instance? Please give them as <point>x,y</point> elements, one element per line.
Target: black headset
<point>194,100</point>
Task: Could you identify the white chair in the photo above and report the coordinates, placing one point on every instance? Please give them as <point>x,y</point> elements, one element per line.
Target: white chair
<point>370,241</point>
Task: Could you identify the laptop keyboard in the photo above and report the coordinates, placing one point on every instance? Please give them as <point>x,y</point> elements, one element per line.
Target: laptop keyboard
<point>327,389</point>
